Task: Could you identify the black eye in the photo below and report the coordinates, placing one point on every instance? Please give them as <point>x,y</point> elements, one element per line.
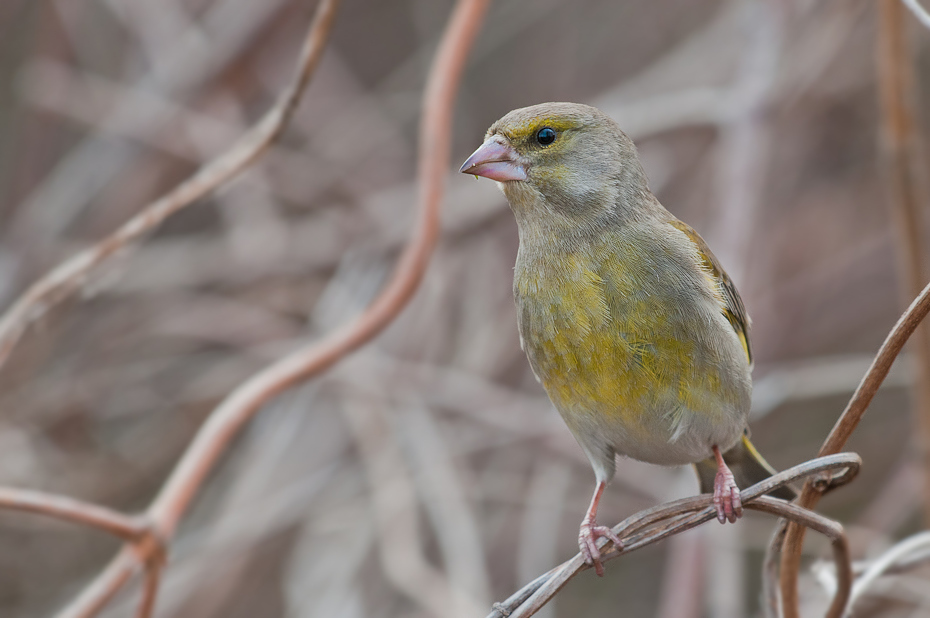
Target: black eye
<point>545,136</point>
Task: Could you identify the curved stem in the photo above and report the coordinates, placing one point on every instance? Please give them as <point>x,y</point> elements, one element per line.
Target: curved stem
<point>68,509</point>
<point>69,276</point>
<point>243,403</point>
<point>652,525</point>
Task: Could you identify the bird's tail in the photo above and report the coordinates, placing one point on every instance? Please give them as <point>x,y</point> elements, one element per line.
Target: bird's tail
<point>748,467</point>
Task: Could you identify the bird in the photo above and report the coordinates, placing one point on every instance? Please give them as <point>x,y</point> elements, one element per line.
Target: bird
<point>630,323</point>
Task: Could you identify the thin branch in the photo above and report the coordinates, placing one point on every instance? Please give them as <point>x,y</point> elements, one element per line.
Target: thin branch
<point>68,277</point>
<point>829,528</point>
<point>149,591</point>
<point>919,12</point>
<point>652,525</point>
<point>902,166</point>
<point>886,561</point>
<point>770,571</point>
<point>681,591</point>
<point>836,440</point>
<point>68,509</point>
<point>100,591</point>
<point>243,403</point>
<point>239,407</point>
<point>395,511</point>
<point>897,125</point>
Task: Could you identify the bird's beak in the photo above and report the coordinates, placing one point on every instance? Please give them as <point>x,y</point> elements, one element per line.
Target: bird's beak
<point>495,160</point>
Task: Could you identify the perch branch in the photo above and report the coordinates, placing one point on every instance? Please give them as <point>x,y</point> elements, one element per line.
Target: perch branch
<point>650,526</point>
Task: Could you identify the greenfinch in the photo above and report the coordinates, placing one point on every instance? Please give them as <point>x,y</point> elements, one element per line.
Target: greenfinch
<point>630,323</point>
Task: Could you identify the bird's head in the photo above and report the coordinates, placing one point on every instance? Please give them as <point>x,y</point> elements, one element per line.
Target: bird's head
<point>562,159</point>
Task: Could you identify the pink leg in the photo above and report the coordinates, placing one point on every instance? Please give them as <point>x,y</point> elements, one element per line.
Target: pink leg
<point>726,493</point>
<point>589,533</point>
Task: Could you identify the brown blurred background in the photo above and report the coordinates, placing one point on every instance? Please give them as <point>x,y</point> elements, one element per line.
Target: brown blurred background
<point>429,465</point>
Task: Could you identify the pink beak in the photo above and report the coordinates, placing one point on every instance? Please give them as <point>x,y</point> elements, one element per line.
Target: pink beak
<point>495,160</point>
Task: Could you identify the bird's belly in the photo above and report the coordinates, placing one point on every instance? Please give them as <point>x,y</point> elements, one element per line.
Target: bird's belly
<point>645,390</point>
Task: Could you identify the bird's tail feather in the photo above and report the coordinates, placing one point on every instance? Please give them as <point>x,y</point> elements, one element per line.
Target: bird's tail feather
<point>748,467</point>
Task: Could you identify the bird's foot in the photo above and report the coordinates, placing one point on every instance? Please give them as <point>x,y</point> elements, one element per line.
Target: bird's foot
<point>726,497</point>
<point>587,541</point>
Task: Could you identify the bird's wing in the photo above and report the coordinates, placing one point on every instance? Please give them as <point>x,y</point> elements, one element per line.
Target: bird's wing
<point>731,303</point>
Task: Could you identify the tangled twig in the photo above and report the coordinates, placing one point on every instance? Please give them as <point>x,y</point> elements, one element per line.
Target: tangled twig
<point>653,525</point>
<point>68,277</point>
<point>147,537</point>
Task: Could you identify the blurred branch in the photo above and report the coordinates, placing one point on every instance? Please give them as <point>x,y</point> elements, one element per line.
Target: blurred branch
<point>69,276</point>
<point>395,510</point>
<point>919,12</point>
<point>149,591</point>
<point>447,507</point>
<point>886,561</point>
<point>243,403</point>
<point>901,160</point>
<point>831,529</point>
<point>836,440</point>
<point>683,583</point>
<point>909,553</point>
<point>60,507</point>
<point>183,67</point>
<point>650,526</point>
<point>903,166</point>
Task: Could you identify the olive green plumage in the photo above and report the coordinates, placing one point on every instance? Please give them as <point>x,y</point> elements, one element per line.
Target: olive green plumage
<point>628,320</point>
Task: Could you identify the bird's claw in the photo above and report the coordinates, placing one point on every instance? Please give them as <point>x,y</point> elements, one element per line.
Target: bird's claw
<point>726,497</point>
<point>587,541</point>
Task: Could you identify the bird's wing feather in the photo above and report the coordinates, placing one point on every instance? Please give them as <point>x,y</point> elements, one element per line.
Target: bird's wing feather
<point>732,304</point>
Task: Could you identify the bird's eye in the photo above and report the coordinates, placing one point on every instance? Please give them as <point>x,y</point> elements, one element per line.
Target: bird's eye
<point>545,136</point>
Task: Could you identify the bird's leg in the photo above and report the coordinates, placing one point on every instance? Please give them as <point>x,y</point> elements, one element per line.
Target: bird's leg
<point>726,493</point>
<point>590,531</point>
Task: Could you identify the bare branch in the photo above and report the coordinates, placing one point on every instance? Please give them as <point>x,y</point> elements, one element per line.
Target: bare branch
<point>919,12</point>
<point>149,591</point>
<point>68,509</point>
<point>886,561</point>
<point>836,440</point>
<point>243,403</point>
<point>68,277</point>
<point>894,68</point>
<point>829,528</point>
<point>650,526</point>
<point>903,168</point>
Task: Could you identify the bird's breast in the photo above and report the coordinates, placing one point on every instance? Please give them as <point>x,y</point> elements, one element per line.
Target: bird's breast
<point>605,337</point>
